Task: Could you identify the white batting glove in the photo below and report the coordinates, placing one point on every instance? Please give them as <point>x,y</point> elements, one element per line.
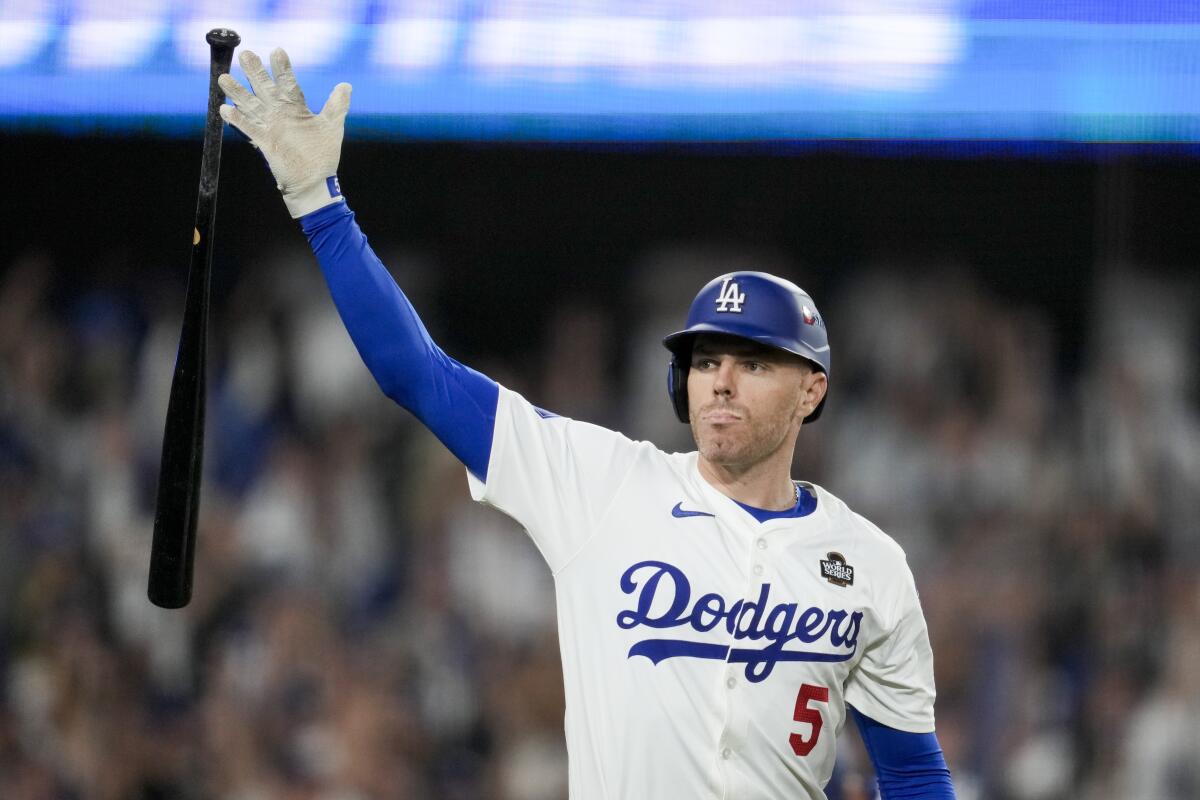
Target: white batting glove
<point>301,148</point>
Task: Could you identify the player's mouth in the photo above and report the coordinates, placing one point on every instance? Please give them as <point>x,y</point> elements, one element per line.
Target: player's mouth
<point>720,416</point>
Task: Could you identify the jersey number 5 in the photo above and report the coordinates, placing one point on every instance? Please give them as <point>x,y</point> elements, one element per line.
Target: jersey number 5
<point>808,693</point>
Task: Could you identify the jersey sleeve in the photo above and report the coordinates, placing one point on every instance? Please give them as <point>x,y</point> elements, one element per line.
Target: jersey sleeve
<point>555,476</point>
<point>893,683</point>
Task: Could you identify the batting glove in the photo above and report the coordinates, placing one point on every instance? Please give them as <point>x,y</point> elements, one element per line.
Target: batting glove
<point>302,148</point>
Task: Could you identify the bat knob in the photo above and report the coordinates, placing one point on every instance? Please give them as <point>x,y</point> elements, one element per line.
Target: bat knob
<point>223,37</point>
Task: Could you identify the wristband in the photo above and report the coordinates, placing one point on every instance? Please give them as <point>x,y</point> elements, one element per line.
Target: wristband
<point>314,197</point>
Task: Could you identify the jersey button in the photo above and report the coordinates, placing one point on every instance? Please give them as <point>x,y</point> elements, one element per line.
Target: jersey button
<point>758,570</point>
<point>731,682</point>
<point>762,544</point>
<point>726,753</point>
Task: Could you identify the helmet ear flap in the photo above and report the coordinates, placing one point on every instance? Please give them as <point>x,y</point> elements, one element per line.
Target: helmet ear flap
<point>677,388</point>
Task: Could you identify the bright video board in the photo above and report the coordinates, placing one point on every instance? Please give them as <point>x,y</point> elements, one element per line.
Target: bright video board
<point>619,70</point>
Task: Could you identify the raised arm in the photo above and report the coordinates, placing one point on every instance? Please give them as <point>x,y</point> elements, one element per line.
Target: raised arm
<point>303,149</point>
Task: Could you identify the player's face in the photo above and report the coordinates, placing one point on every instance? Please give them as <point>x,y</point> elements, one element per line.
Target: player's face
<point>747,401</point>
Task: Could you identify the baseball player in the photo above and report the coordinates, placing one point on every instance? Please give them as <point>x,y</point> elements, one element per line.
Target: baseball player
<point>718,621</point>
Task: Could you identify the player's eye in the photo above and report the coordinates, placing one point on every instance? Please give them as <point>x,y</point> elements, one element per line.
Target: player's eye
<point>754,366</point>
<point>703,362</point>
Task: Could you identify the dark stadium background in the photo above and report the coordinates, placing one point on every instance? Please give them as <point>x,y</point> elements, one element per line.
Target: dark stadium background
<point>517,226</point>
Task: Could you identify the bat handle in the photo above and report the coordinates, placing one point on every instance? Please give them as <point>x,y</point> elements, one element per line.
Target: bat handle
<point>223,40</point>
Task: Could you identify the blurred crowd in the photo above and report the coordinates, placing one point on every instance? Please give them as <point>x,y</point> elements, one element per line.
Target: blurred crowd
<point>361,630</point>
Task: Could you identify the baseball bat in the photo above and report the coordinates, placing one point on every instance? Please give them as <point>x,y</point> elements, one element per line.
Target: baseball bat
<point>173,550</point>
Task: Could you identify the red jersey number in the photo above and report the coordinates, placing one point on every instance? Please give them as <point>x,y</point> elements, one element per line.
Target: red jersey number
<point>808,693</point>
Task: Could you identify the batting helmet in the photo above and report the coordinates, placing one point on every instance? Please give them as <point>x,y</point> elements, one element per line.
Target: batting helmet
<point>755,306</point>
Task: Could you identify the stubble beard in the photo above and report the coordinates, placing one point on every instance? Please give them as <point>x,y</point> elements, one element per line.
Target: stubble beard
<point>741,445</point>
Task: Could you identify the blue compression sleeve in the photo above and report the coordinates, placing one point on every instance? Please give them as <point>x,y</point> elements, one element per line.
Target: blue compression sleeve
<point>454,401</point>
<point>909,766</point>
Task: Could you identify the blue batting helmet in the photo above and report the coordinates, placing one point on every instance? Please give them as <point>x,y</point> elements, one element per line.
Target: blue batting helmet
<point>755,306</point>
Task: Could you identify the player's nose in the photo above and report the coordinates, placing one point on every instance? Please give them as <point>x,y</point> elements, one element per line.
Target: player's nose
<point>724,378</point>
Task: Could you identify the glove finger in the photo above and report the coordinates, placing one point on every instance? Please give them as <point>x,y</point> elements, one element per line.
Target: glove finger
<point>239,94</point>
<point>338,104</point>
<point>285,78</point>
<point>235,117</point>
<point>264,87</point>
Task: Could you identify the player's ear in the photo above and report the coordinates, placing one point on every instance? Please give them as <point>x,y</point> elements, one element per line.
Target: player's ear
<point>813,387</point>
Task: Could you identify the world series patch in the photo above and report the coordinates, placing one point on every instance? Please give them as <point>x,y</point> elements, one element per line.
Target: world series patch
<point>835,570</point>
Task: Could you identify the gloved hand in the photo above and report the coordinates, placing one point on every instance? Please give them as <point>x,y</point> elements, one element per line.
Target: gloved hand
<point>301,148</point>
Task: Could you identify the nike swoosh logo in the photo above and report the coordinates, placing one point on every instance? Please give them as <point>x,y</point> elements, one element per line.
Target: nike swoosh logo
<point>678,511</point>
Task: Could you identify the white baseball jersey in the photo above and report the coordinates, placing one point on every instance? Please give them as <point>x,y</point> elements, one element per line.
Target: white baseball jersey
<point>705,654</point>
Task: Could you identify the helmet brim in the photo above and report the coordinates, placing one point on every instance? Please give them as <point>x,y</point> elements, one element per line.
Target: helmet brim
<point>680,343</point>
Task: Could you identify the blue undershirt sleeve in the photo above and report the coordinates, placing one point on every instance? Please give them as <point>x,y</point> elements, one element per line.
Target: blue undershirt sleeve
<point>908,766</point>
<point>454,401</point>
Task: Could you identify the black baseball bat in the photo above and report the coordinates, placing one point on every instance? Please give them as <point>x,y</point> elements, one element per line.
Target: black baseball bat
<point>173,551</point>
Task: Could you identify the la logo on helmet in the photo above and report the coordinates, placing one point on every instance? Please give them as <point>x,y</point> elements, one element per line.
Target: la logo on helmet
<point>730,299</point>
